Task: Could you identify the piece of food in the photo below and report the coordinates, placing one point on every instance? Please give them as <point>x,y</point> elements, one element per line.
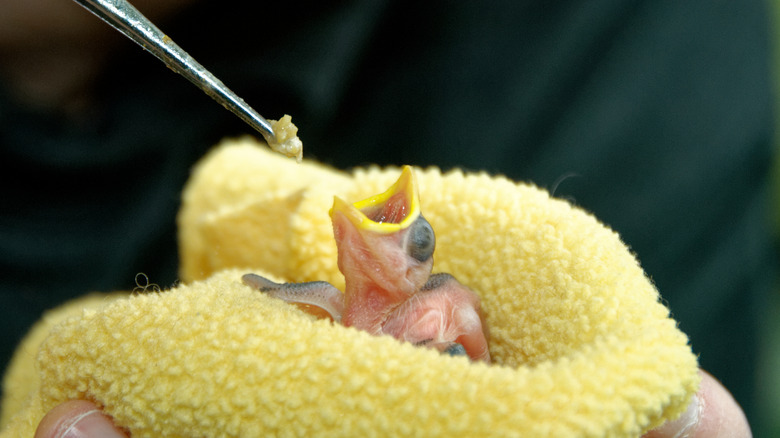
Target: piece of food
<point>287,141</point>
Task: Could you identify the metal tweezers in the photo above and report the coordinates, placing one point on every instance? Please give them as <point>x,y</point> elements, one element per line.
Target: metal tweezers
<point>125,18</point>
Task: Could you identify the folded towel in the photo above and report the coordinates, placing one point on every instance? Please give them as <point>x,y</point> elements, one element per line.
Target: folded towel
<point>581,345</point>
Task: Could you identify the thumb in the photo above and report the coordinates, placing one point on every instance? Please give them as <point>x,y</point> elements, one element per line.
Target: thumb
<point>713,412</point>
<point>77,419</point>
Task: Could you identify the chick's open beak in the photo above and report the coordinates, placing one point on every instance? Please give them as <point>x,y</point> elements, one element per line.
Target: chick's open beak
<point>385,213</point>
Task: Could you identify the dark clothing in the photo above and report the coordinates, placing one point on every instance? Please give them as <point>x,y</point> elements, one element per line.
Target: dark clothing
<point>654,115</point>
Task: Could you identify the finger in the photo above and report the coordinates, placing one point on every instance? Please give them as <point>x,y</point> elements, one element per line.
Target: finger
<point>77,419</point>
<point>713,413</point>
<point>721,416</point>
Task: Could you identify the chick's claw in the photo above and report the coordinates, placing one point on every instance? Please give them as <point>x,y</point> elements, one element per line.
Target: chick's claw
<point>455,350</point>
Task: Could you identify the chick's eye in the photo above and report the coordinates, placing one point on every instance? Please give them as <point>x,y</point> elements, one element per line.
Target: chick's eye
<point>421,241</point>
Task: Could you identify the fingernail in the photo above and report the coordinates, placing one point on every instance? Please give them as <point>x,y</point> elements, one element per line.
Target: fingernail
<point>684,426</point>
<point>91,424</point>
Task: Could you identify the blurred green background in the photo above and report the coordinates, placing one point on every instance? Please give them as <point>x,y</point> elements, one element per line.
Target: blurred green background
<point>768,376</point>
<point>658,116</point>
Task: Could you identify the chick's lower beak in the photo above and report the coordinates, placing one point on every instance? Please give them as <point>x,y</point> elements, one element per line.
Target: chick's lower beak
<point>387,212</point>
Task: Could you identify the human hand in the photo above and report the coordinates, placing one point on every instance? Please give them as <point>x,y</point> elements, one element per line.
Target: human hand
<point>712,413</point>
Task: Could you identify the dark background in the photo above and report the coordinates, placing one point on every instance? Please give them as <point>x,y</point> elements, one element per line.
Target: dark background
<point>657,116</point>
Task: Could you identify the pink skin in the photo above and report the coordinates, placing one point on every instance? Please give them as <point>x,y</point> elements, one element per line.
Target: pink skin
<point>378,275</point>
<point>387,272</point>
<point>438,317</point>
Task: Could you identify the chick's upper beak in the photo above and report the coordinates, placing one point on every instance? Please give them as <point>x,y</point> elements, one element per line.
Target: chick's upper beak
<point>385,213</point>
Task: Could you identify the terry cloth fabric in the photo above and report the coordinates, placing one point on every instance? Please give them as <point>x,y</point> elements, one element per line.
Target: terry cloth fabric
<point>580,342</point>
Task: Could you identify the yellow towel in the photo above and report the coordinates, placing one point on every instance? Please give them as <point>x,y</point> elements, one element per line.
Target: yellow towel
<point>580,343</point>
